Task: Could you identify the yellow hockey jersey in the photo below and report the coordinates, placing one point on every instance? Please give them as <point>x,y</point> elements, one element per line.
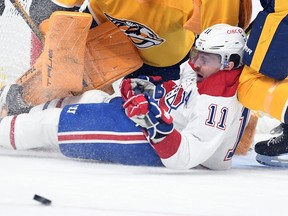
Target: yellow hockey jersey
<point>263,82</point>
<point>160,28</point>
<point>267,44</point>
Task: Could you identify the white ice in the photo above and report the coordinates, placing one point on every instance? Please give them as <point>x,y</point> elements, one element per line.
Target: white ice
<point>94,188</point>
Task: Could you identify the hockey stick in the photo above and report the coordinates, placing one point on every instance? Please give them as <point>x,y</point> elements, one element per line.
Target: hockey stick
<point>28,20</point>
<point>273,161</point>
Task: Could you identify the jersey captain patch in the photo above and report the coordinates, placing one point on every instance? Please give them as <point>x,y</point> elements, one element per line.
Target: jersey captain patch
<point>141,36</point>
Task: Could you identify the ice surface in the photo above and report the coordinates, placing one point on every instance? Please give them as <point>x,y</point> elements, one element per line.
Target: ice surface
<point>94,188</point>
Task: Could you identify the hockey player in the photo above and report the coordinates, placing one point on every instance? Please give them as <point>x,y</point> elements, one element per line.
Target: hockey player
<point>162,31</point>
<point>196,120</point>
<point>263,82</point>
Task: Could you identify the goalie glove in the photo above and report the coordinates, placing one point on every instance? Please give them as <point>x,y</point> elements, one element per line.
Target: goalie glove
<point>144,111</point>
<point>143,84</point>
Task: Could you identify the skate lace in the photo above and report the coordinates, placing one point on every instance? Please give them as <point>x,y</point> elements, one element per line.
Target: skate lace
<point>282,128</point>
<point>275,140</point>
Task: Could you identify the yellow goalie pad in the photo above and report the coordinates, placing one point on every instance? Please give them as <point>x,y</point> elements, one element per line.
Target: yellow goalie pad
<point>64,48</point>
<point>76,59</point>
<point>109,56</point>
<point>60,68</point>
<point>248,135</point>
<point>33,91</point>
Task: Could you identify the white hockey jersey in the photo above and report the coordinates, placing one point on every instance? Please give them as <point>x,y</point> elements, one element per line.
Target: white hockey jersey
<point>209,121</point>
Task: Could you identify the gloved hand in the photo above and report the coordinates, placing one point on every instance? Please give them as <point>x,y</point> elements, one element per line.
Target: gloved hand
<point>126,89</point>
<point>143,110</point>
<point>151,85</point>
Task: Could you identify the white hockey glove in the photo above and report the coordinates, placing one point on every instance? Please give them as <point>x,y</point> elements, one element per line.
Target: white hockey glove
<point>143,110</point>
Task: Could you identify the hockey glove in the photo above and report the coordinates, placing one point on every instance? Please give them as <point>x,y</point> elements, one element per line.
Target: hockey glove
<point>151,85</point>
<point>143,110</point>
<point>126,89</point>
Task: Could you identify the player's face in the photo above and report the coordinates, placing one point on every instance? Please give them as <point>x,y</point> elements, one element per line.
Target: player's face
<point>205,64</point>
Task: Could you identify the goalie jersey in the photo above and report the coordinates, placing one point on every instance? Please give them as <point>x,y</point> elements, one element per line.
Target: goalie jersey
<point>209,122</point>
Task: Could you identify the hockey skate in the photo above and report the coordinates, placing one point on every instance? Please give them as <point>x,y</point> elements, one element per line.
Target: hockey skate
<point>273,152</point>
<point>274,146</point>
<point>11,101</point>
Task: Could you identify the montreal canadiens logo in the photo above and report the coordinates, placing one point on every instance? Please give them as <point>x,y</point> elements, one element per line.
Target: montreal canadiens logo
<point>141,36</point>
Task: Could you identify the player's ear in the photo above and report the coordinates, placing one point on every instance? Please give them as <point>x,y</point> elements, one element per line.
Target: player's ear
<point>229,66</point>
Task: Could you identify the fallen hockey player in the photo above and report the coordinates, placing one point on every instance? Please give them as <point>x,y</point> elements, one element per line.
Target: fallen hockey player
<point>196,120</point>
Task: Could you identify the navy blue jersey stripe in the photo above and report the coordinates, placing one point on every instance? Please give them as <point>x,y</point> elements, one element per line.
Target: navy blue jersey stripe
<point>254,37</point>
<point>275,63</point>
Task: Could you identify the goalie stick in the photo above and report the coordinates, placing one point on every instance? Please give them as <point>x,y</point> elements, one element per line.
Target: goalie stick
<point>28,20</point>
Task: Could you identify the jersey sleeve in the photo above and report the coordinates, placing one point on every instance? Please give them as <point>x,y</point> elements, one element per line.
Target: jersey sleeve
<point>192,150</point>
<point>213,126</point>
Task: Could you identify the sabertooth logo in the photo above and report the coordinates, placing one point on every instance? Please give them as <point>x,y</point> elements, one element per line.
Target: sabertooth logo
<point>141,36</point>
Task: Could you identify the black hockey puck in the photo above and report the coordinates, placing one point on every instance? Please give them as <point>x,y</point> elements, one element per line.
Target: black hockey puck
<point>42,200</point>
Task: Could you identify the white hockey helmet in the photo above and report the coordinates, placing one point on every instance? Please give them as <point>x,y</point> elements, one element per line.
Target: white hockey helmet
<point>225,40</point>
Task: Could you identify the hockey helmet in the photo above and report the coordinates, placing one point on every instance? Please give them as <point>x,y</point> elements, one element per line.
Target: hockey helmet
<point>225,40</point>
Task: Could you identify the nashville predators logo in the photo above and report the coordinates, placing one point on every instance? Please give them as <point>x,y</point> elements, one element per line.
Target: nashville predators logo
<point>141,36</point>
